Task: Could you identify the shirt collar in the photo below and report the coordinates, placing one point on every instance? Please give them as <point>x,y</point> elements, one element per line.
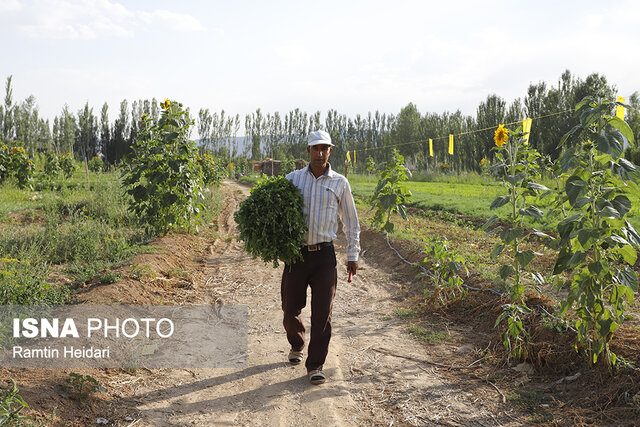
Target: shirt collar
<point>328,173</point>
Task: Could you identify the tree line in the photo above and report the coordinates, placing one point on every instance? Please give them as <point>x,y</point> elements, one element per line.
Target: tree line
<point>372,135</point>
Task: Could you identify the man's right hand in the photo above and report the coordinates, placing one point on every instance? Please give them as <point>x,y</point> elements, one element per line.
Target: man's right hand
<point>352,266</point>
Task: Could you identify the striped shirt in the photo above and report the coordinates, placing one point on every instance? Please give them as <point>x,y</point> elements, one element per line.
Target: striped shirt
<point>325,199</point>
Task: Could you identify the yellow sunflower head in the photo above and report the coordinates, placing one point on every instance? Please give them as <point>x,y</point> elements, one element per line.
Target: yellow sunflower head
<point>501,136</point>
<point>166,104</point>
<point>482,162</point>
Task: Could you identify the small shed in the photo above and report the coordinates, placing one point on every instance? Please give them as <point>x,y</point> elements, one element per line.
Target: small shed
<point>270,167</point>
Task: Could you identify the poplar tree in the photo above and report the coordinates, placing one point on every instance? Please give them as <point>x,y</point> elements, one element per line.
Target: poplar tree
<point>256,123</point>
<point>44,138</point>
<point>119,143</point>
<point>66,132</point>
<point>489,114</point>
<point>204,127</point>
<point>87,140</point>
<point>407,129</point>
<point>105,130</point>
<point>7,122</point>
<point>25,120</point>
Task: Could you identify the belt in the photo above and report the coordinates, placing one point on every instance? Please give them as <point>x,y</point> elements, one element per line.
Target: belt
<point>317,246</point>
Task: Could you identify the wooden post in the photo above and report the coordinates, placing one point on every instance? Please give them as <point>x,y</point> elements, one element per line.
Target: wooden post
<point>86,169</point>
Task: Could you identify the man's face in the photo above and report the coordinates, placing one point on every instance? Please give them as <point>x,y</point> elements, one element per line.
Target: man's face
<point>319,155</point>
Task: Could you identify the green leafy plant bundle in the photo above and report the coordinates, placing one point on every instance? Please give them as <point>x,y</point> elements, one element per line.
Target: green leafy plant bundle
<point>271,223</point>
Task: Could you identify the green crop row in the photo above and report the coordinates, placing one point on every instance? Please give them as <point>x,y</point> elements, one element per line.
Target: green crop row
<point>467,196</point>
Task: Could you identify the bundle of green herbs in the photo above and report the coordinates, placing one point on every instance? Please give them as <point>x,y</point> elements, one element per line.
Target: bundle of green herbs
<point>271,223</point>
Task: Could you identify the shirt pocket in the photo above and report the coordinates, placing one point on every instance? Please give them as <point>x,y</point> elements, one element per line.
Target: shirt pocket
<point>330,201</point>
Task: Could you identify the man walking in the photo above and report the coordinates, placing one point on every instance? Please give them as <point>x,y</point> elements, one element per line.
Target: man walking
<point>327,196</point>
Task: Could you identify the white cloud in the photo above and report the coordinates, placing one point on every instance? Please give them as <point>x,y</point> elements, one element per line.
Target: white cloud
<point>85,19</point>
<point>10,5</point>
<point>176,21</point>
<point>90,19</point>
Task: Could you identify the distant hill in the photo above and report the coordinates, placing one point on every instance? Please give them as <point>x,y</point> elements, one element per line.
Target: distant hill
<point>242,142</point>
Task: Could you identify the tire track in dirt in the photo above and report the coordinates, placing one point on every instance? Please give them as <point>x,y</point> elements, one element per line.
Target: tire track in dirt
<point>366,384</point>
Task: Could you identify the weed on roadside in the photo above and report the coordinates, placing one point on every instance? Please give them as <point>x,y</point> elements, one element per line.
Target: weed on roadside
<point>427,335</point>
<point>405,313</point>
<point>444,267</point>
<point>25,283</point>
<point>81,387</point>
<point>177,272</point>
<point>535,403</point>
<point>110,277</point>
<point>137,272</point>
<point>11,404</point>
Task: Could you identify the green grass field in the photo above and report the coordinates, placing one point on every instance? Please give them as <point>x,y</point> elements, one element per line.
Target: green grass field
<point>79,227</point>
<point>469,196</point>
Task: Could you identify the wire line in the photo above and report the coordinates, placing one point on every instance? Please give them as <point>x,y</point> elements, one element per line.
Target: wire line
<point>462,133</point>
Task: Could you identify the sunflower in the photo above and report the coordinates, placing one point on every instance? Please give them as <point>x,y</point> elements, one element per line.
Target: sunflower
<point>501,136</point>
<point>166,104</point>
<point>482,162</point>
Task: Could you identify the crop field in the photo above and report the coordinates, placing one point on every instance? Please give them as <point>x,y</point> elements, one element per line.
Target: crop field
<point>470,195</point>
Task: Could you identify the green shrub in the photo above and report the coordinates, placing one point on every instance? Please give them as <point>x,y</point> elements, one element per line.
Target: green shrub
<point>444,270</point>
<point>212,170</point>
<point>11,404</point>
<point>96,164</point>
<point>57,165</point>
<point>242,166</point>
<point>110,277</point>
<point>163,178</point>
<point>390,194</point>
<point>15,162</point>
<point>597,245</point>
<point>287,165</point>
<point>81,387</point>
<point>24,283</point>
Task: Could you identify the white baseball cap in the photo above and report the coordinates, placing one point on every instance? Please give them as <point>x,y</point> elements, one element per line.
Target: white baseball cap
<point>319,137</point>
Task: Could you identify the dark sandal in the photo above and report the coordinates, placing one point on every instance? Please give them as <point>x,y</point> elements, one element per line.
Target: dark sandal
<point>317,377</point>
<point>295,357</point>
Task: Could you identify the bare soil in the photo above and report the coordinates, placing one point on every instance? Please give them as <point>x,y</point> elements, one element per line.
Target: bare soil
<point>377,373</point>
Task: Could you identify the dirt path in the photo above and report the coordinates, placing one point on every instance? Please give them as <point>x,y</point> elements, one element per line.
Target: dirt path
<point>374,377</point>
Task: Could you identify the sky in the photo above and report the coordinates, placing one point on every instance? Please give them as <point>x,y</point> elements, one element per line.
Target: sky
<point>351,56</point>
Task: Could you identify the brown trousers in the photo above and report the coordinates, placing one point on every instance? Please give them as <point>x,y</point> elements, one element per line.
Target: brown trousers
<point>317,270</point>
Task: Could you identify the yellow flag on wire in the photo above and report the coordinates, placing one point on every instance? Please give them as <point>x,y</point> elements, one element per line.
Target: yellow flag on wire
<point>354,156</point>
<point>348,157</point>
<point>430,147</point>
<point>620,109</point>
<point>451,144</point>
<point>526,129</point>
